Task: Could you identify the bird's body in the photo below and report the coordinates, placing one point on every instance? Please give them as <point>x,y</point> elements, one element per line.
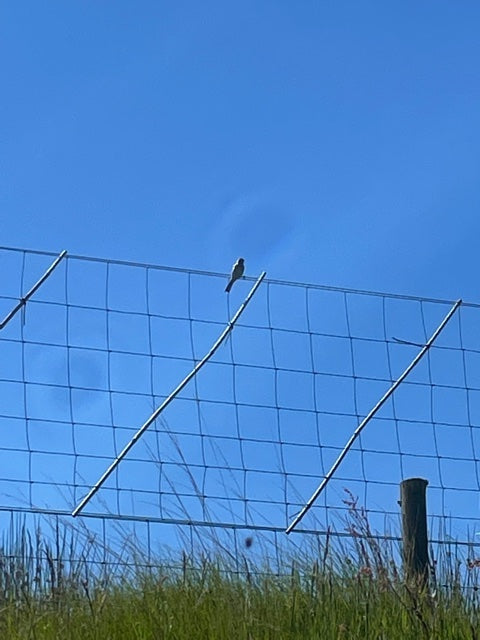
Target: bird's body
<point>237,272</point>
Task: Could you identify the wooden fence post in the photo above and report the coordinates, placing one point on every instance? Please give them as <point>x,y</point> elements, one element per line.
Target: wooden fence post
<point>414,529</point>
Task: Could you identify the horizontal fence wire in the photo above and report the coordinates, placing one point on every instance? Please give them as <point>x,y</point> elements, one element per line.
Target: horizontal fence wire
<point>246,443</point>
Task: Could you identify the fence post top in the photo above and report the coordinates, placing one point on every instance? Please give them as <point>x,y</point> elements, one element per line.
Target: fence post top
<point>414,481</point>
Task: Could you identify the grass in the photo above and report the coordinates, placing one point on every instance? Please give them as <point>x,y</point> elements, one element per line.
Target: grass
<point>60,584</point>
<point>209,604</point>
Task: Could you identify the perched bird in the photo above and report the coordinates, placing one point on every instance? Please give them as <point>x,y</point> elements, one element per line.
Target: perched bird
<point>237,272</point>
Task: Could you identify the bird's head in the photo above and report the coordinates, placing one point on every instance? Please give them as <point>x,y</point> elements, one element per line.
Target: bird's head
<point>241,260</point>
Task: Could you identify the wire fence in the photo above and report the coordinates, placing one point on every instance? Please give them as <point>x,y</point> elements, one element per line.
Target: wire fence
<point>102,343</point>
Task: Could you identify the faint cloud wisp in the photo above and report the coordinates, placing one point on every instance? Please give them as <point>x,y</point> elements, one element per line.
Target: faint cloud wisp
<point>261,231</point>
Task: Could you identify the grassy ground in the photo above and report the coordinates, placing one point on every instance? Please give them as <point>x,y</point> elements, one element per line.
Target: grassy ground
<point>55,587</point>
<point>207,605</point>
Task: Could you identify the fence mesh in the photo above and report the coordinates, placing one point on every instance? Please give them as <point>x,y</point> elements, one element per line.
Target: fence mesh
<point>244,445</point>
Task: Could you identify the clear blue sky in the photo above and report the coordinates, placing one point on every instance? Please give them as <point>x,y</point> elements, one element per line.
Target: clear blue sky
<point>327,142</point>
<point>336,143</point>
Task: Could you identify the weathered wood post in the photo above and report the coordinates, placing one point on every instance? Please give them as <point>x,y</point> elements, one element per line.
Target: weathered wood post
<point>414,529</point>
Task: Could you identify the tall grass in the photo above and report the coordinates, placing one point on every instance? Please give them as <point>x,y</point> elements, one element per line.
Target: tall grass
<point>62,584</point>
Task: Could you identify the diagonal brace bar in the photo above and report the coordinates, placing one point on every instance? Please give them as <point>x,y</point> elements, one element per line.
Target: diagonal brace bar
<point>168,400</point>
<point>367,418</point>
<point>23,301</point>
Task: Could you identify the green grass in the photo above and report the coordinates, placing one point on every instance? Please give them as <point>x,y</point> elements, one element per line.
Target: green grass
<point>56,585</point>
<point>208,604</point>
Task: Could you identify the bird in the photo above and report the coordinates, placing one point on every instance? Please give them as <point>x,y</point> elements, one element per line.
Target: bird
<point>237,272</point>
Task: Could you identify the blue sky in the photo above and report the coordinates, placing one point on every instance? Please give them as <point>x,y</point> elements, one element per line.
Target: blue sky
<point>335,143</point>
<point>327,142</point>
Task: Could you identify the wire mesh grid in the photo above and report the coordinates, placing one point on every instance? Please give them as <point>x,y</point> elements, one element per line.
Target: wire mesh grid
<point>244,445</point>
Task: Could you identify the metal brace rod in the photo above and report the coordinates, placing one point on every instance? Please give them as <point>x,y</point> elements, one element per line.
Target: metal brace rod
<point>23,301</point>
<point>168,400</point>
<point>372,412</point>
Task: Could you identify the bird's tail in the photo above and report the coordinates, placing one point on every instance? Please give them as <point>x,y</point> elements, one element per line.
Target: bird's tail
<point>229,286</point>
